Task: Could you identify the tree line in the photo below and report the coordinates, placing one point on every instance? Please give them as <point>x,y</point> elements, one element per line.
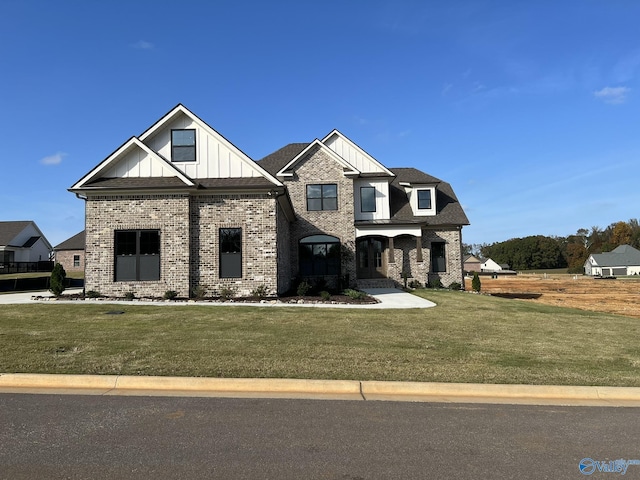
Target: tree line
<point>539,252</point>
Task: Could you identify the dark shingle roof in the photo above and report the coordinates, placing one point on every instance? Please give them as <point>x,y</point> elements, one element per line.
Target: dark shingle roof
<point>175,182</point>
<point>74,243</point>
<point>10,230</point>
<point>621,256</point>
<point>274,162</point>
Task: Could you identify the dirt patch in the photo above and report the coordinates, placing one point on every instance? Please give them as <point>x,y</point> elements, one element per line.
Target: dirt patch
<point>621,296</point>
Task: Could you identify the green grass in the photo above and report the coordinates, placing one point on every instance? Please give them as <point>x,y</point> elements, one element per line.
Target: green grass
<point>467,338</point>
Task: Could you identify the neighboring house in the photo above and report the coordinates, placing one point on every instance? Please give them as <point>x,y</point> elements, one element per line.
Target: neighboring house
<point>22,246</point>
<point>623,260</point>
<point>472,263</point>
<point>180,207</point>
<point>489,265</point>
<point>70,253</point>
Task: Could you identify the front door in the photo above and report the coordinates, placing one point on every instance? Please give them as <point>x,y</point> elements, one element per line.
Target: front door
<point>371,262</point>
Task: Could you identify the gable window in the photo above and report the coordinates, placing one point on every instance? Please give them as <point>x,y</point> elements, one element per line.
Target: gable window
<point>438,257</point>
<point>424,199</point>
<point>319,255</point>
<point>230,253</point>
<point>367,199</point>
<point>76,260</point>
<point>322,197</point>
<point>183,145</point>
<point>137,255</point>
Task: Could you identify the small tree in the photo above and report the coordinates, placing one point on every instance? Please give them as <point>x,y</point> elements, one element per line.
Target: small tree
<point>475,283</point>
<point>57,280</point>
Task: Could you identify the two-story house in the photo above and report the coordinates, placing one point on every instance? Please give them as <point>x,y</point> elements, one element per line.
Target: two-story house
<point>180,207</point>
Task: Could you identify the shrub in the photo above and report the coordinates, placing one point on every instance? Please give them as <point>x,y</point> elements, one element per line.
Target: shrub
<point>455,286</point>
<point>260,292</point>
<point>355,294</point>
<point>435,283</point>
<point>476,284</point>
<point>170,294</point>
<point>415,284</point>
<point>227,293</point>
<point>129,295</point>
<point>199,292</point>
<point>319,284</point>
<point>303,288</point>
<point>58,276</point>
<point>325,295</point>
<point>93,294</point>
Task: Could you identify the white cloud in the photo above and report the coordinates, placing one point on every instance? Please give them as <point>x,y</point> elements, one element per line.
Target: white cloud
<point>143,45</point>
<point>613,95</point>
<point>55,159</point>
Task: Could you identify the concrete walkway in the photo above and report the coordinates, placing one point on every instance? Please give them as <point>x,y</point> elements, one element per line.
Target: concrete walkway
<point>388,298</point>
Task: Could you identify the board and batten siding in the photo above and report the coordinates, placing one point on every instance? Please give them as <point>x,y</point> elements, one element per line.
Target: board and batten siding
<point>136,163</point>
<point>382,200</point>
<point>355,156</point>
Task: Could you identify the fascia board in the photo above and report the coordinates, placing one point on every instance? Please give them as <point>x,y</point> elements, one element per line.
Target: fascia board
<point>351,170</point>
<point>356,146</point>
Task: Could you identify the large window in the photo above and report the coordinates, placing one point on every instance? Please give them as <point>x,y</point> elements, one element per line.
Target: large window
<point>319,255</point>
<point>183,145</point>
<point>137,255</point>
<point>438,257</point>
<point>230,252</point>
<point>424,199</point>
<point>322,197</point>
<point>367,199</point>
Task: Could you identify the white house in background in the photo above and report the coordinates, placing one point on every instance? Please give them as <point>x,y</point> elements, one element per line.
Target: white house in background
<point>490,266</point>
<point>623,260</point>
<point>22,241</point>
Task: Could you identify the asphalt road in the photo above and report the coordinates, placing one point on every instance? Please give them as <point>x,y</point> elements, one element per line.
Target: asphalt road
<point>73,437</point>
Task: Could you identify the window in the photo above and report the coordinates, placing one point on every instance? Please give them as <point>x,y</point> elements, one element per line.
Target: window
<point>137,255</point>
<point>319,255</point>
<point>322,197</point>
<point>367,199</point>
<point>424,199</point>
<point>230,252</point>
<point>438,257</point>
<point>183,145</point>
<point>76,260</point>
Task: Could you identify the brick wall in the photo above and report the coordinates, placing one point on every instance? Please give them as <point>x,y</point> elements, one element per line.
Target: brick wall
<point>316,168</point>
<point>65,258</point>
<point>167,213</point>
<point>256,215</point>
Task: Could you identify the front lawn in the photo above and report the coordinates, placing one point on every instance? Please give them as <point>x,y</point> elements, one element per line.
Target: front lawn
<point>466,338</point>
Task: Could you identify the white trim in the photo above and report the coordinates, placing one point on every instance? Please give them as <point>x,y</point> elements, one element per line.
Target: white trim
<point>356,147</point>
<point>350,169</point>
<point>389,231</point>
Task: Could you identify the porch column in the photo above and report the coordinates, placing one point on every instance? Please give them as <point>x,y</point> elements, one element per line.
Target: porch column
<point>392,255</point>
<point>418,249</point>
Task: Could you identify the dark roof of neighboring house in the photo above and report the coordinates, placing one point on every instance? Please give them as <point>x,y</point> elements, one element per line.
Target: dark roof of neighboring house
<point>274,162</point>
<point>10,230</point>
<point>74,243</point>
<point>622,256</point>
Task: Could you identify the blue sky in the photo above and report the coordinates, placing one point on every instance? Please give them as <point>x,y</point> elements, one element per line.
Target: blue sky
<point>529,109</point>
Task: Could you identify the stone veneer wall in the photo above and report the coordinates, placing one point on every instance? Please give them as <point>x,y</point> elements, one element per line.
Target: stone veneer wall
<point>318,167</point>
<point>256,215</point>
<point>65,258</point>
<point>108,213</point>
<point>406,258</point>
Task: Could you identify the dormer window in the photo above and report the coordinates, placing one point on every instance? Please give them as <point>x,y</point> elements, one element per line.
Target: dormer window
<point>183,145</point>
<point>424,199</point>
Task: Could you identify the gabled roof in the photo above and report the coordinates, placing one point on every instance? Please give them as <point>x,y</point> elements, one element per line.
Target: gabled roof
<point>94,176</point>
<point>74,243</point>
<point>10,230</point>
<point>316,145</point>
<point>336,134</point>
<point>621,256</point>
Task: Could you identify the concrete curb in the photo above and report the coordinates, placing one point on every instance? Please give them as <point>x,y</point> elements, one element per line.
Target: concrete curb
<point>334,389</point>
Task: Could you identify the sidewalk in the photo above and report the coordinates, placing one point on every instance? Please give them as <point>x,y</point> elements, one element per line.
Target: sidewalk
<point>388,297</point>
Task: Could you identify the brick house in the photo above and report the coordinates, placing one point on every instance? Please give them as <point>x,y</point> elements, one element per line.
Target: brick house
<point>70,253</point>
<point>180,207</point>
